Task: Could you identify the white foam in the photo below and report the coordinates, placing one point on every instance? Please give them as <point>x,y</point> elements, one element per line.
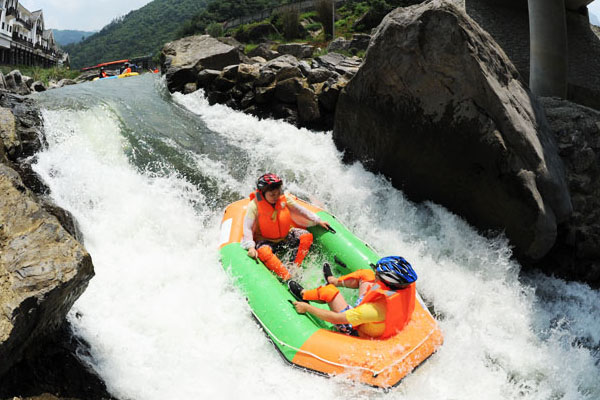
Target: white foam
<point>165,322</point>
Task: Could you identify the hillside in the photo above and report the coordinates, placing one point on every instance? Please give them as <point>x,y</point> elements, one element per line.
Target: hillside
<point>65,37</point>
<point>140,32</point>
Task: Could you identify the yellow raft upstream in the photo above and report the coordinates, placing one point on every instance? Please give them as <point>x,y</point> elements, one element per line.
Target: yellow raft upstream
<point>308,342</point>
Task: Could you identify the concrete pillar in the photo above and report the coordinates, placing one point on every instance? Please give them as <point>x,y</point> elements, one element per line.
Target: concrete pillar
<point>548,48</point>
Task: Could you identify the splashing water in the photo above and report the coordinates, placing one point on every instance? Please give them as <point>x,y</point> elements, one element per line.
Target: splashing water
<point>147,176</point>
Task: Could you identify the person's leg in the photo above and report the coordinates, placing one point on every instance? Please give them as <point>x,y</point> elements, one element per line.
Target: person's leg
<point>328,294</point>
<point>265,254</point>
<point>301,239</point>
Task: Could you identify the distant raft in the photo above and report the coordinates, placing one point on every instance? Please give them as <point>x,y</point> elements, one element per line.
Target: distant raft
<point>308,342</point>
<point>127,75</point>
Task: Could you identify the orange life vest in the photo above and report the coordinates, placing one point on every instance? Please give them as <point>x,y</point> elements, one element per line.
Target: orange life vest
<point>399,306</point>
<point>127,71</point>
<point>273,222</point>
<point>104,74</point>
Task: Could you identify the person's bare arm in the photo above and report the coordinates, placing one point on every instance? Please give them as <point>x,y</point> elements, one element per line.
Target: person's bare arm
<point>325,315</point>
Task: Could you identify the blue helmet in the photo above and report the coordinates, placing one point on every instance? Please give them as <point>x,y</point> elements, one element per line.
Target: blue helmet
<point>395,272</point>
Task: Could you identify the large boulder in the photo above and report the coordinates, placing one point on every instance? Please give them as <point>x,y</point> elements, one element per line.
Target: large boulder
<point>438,108</point>
<point>43,270</point>
<point>576,254</point>
<point>16,84</point>
<point>183,59</point>
<point>298,50</point>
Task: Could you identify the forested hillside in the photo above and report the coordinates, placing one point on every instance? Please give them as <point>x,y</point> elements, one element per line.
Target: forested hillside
<point>220,11</point>
<point>140,32</point>
<point>64,37</point>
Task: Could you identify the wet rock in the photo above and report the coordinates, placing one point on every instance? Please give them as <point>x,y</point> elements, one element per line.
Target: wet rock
<point>183,59</point>
<point>435,84</point>
<point>247,73</point>
<point>308,106</point>
<point>206,77</point>
<point>190,88</point>
<point>287,90</point>
<point>38,86</point>
<point>576,254</point>
<point>43,270</point>
<point>66,82</point>
<point>264,95</point>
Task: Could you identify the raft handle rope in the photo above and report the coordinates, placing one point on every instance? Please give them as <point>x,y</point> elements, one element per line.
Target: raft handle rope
<point>308,353</point>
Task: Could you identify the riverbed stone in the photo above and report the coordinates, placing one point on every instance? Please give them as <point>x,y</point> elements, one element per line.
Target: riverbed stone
<point>43,270</point>
<point>449,121</point>
<point>184,58</point>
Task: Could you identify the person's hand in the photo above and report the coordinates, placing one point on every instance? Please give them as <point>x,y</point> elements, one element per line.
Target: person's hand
<point>301,307</point>
<point>325,225</point>
<point>252,253</point>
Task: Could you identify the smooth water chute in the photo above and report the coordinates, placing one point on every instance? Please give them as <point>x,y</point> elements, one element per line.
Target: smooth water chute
<point>148,178</point>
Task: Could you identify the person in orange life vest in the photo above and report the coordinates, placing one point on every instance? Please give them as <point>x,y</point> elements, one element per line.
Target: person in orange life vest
<point>268,225</point>
<point>127,69</point>
<point>385,303</point>
<point>102,73</point>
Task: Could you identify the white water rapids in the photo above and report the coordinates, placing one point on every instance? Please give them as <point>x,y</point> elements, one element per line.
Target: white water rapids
<point>147,175</point>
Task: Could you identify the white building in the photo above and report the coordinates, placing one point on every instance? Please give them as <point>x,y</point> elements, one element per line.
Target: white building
<point>23,37</point>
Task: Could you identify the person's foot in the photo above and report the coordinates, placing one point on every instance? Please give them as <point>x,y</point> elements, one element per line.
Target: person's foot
<point>296,290</point>
<point>327,272</point>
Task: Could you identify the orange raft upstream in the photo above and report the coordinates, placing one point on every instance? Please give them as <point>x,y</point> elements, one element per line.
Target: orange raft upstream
<point>308,342</point>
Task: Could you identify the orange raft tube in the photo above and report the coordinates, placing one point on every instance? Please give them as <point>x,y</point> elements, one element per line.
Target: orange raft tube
<point>306,341</point>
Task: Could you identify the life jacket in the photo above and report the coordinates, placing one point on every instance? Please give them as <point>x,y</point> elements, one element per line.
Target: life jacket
<point>104,74</point>
<point>127,71</point>
<point>399,306</point>
<point>273,222</point>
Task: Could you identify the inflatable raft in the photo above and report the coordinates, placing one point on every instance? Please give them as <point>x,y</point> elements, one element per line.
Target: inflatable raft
<point>308,342</point>
<point>127,75</point>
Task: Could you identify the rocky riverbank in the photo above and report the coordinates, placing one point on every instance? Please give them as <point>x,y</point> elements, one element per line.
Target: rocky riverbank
<point>438,108</point>
<point>43,270</point>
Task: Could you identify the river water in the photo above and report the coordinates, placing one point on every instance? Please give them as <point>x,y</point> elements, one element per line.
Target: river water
<point>147,176</point>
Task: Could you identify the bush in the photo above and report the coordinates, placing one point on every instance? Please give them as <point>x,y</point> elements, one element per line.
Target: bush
<point>215,29</point>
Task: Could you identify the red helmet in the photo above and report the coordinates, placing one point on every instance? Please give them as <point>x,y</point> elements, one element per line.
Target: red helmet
<point>268,182</point>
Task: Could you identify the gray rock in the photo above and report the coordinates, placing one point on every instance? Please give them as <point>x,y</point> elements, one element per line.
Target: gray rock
<point>15,83</point>
<point>38,86</point>
<point>340,63</point>
<point>449,121</point>
<point>576,255</point>
<point>66,82</point>
<point>206,77</point>
<point>298,50</point>
<point>190,88</point>
<point>247,73</point>
<point>338,44</point>
<point>318,75</point>
<point>264,51</point>
<point>360,42</point>
<point>286,91</point>
<point>183,59</point>
<point>43,270</point>
<point>308,106</point>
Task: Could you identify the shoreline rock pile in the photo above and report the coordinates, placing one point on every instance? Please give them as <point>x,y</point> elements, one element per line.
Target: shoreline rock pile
<point>270,84</point>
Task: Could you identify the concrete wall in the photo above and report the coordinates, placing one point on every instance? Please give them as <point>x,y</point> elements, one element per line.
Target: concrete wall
<point>508,23</point>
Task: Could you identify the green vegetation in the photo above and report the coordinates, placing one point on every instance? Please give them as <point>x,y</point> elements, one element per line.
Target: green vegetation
<point>140,32</point>
<point>42,74</point>
<point>224,10</point>
<point>65,37</point>
<point>144,31</point>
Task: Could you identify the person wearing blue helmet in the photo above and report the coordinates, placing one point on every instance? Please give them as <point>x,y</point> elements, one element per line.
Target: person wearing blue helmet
<point>385,302</point>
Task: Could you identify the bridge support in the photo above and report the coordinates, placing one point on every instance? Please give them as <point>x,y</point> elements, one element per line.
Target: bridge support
<point>548,48</point>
